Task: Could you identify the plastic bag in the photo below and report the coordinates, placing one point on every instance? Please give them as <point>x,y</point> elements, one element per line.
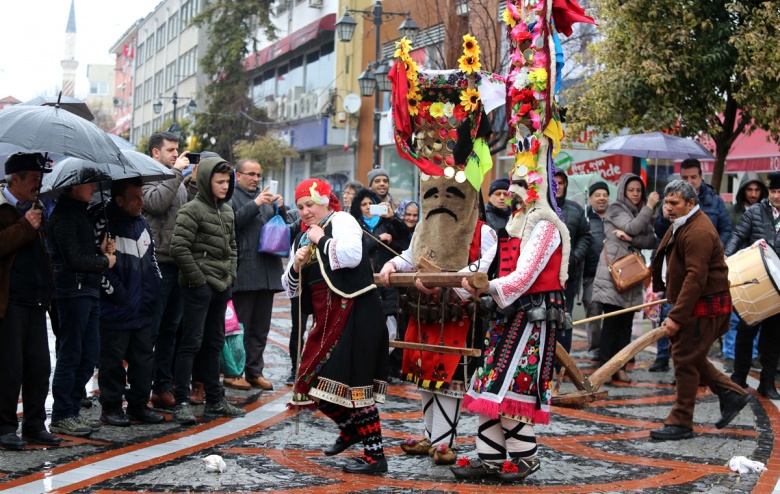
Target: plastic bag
<point>275,237</point>
<point>231,320</point>
<point>233,358</point>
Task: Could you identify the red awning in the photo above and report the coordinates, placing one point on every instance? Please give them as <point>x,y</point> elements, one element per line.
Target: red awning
<point>290,42</point>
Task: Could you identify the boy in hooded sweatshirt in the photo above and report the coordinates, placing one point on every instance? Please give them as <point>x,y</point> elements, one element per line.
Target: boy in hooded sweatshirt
<point>204,248</point>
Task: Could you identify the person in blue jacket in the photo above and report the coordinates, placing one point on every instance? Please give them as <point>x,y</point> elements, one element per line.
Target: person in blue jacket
<point>128,293</point>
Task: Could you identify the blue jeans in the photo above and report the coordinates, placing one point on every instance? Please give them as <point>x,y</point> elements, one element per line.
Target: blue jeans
<point>730,338</point>
<point>79,350</point>
<point>165,322</point>
<point>663,344</point>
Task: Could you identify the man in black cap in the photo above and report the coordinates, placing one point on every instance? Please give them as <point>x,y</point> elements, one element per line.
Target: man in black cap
<point>761,221</point>
<point>497,210</point>
<point>598,196</point>
<point>579,232</point>
<point>25,291</point>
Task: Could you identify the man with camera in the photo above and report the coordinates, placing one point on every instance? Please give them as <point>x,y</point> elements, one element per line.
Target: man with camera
<point>259,274</point>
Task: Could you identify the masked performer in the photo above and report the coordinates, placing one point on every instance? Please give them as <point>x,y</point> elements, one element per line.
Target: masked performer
<point>441,126</point>
<point>511,391</point>
<point>344,361</point>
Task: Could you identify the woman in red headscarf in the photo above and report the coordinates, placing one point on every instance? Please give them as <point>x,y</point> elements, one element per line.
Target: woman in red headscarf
<point>343,365</point>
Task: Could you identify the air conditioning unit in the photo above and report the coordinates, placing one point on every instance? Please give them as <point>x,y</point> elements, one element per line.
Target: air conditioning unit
<point>317,4</point>
<point>281,111</point>
<point>280,7</point>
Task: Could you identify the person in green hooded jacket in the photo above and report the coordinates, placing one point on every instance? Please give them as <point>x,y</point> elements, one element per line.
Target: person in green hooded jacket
<point>204,248</point>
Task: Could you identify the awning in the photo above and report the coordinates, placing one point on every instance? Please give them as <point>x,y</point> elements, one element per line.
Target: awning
<point>749,153</point>
<point>290,42</point>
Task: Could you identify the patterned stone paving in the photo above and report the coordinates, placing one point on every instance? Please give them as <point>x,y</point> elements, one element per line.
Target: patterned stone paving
<point>604,448</point>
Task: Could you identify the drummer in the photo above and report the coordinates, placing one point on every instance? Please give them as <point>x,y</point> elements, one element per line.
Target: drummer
<point>761,221</point>
<point>689,265</point>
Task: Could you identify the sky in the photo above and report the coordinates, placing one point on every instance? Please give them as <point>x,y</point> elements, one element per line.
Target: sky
<point>32,41</point>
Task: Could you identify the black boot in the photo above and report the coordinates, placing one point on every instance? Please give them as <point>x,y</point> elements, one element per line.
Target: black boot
<point>766,388</point>
<point>731,403</point>
<point>660,365</point>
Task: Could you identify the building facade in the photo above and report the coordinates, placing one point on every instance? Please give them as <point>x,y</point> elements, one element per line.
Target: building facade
<point>165,64</point>
<point>124,75</point>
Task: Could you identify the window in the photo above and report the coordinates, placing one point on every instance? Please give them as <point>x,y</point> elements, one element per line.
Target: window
<point>158,82</point>
<point>98,88</point>
<point>319,68</point>
<point>139,55</point>
<point>185,14</point>
<point>150,46</point>
<point>170,75</point>
<point>148,90</point>
<point>188,64</point>
<point>295,74</point>
<point>160,37</point>
<point>281,80</point>
<point>138,95</point>
<point>173,26</point>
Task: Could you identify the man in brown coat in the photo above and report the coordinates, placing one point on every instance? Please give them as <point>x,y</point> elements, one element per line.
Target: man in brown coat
<point>691,268</point>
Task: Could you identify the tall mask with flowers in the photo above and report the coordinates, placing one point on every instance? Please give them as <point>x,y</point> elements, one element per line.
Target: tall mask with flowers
<point>440,125</point>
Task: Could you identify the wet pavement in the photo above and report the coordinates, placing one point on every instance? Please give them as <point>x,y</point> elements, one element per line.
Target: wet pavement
<point>603,448</point>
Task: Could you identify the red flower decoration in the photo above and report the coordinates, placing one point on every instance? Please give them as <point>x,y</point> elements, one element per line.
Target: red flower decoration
<point>524,109</point>
<point>423,107</point>
<point>521,36</point>
<point>509,467</point>
<point>526,95</point>
<point>463,462</point>
<point>459,112</point>
<point>532,195</point>
<point>535,146</point>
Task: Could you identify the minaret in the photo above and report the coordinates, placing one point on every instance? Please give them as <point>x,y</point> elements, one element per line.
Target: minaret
<point>69,63</point>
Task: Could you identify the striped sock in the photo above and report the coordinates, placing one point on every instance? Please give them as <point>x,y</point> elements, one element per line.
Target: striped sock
<point>369,429</point>
<point>342,416</point>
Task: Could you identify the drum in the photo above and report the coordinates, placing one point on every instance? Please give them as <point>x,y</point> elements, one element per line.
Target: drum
<point>755,302</point>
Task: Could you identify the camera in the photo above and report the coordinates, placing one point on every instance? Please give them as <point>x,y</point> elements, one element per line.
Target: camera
<point>193,157</point>
<point>378,209</point>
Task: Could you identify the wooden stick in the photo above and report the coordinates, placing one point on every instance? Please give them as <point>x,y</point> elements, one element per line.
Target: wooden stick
<point>579,379</point>
<point>471,352</point>
<point>617,312</point>
<point>431,280</point>
<point>604,373</point>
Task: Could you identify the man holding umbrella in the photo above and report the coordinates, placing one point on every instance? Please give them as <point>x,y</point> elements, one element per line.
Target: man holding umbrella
<point>25,290</point>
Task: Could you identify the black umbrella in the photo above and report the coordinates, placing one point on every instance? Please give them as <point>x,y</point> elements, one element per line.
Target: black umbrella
<point>54,130</point>
<point>76,171</point>
<point>73,105</point>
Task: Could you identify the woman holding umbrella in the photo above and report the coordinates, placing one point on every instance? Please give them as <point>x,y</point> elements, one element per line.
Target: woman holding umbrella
<point>78,266</point>
<point>343,367</point>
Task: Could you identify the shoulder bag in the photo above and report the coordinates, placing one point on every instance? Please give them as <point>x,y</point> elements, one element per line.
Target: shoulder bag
<point>627,271</point>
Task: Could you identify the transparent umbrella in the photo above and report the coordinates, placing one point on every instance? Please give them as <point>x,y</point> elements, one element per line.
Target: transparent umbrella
<point>580,184</point>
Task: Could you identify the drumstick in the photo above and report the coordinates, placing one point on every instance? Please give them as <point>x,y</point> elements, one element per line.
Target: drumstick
<point>749,282</point>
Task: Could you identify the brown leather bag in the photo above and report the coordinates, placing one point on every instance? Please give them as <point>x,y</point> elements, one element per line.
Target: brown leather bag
<point>627,271</point>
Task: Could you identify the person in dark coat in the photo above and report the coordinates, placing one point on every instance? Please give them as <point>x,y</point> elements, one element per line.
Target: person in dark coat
<point>259,274</point>
<point>751,190</point>
<point>579,233</point>
<point>25,291</point>
<point>759,223</point>
<point>78,269</point>
<point>598,196</point>
<point>379,230</point>
<point>127,299</point>
<point>497,210</point>
<point>690,266</point>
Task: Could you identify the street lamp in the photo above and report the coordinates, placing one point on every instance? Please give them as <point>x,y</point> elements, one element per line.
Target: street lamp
<point>158,106</point>
<point>375,75</point>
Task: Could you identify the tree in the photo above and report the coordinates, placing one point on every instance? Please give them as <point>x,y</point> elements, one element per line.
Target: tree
<point>230,114</point>
<point>268,150</point>
<point>694,67</point>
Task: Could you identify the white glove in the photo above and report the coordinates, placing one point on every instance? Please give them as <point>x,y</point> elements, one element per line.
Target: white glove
<point>214,463</point>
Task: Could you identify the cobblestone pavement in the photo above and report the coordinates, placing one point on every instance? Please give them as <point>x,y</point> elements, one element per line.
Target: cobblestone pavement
<point>604,448</point>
